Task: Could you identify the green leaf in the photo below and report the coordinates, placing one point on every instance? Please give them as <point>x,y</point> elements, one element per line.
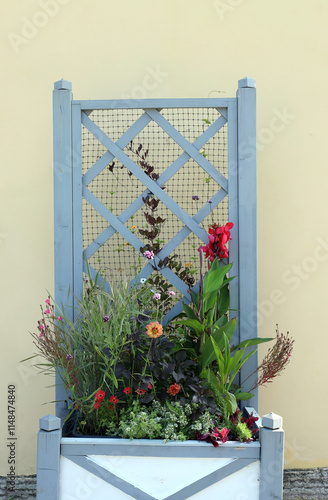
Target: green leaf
<point>209,301</point>
<point>191,323</point>
<point>189,312</point>
<point>208,354</point>
<point>235,360</point>
<point>243,396</point>
<point>223,320</point>
<point>215,279</point>
<point>193,296</point>
<point>250,342</point>
<point>231,403</point>
<point>224,300</point>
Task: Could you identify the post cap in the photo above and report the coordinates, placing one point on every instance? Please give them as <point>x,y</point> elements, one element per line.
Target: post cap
<point>247,83</point>
<point>63,85</point>
<point>272,421</point>
<point>49,423</point>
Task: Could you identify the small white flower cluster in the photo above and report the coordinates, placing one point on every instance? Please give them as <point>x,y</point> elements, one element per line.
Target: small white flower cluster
<point>203,423</point>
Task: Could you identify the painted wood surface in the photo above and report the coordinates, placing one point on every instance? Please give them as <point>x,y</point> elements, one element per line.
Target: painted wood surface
<point>154,103</point>
<point>97,468</point>
<point>149,478</point>
<point>247,230</point>
<point>63,202</point>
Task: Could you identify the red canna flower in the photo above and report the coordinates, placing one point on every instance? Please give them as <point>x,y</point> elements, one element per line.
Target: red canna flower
<point>218,237</point>
<point>127,390</point>
<point>113,399</point>
<point>174,389</point>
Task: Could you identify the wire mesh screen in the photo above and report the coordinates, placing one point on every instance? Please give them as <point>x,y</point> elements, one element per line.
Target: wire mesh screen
<point>153,150</point>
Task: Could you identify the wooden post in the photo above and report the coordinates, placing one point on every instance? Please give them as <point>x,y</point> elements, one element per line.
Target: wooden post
<point>272,457</point>
<point>48,458</point>
<point>63,181</point>
<point>247,272</point>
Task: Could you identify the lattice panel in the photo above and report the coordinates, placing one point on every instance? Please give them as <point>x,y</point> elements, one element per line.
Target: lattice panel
<point>191,188</point>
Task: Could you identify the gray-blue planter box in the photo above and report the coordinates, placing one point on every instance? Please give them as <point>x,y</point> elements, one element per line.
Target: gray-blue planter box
<point>99,468</point>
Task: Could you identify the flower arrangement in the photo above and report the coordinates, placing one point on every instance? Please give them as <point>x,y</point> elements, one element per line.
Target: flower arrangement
<point>128,375</point>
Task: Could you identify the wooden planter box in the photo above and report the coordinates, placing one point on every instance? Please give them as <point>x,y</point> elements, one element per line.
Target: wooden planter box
<point>120,469</point>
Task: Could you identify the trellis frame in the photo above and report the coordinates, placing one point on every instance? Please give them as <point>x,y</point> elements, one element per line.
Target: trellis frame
<point>69,189</point>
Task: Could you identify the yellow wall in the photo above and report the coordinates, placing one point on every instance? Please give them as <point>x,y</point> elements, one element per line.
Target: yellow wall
<point>107,49</point>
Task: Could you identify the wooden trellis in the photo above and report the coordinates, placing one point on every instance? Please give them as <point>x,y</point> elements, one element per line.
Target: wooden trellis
<point>72,190</point>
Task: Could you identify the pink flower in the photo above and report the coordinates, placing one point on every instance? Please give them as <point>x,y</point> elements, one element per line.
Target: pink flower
<point>172,293</point>
<point>41,328</point>
<point>157,296</point>
<point>47,302</point>
<point>41,335</point>
<point>59,318</point>
<point>141,392</point>
<point>149,255</point>
<point>47,311</point>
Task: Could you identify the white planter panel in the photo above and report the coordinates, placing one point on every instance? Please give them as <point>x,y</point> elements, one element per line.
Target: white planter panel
<point>121,477</point>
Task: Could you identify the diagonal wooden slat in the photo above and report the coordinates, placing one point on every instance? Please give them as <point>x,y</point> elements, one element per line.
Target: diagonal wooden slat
<point>184,232</point>
<point>128,136</point>
<point>149,183</point>
<point>197,144</point>
<point>130,237</point>
<point>189,148</point>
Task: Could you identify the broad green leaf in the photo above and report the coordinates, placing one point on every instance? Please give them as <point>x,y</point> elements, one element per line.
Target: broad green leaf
<point>241,363</point>
<point>209,301</point>
<point>194,296</point>
<point>191,323</point>
<point>208,354</point>
<point>231,403</point>
<point>243,396</point>
<point>223,320</point>
<point>224,300</point>
<point>214,267</point>
<point>215,279</point>
<point>236,359</point>
<point>189,312</point>
<point>250,342</point>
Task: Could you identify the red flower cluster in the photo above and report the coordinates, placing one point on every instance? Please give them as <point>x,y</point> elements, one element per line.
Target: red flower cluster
<point>174,389</point>
<point>100,395</point>
<point>218,238</point>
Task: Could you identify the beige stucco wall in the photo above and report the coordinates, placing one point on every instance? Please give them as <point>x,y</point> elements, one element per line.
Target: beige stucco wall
<point>181,48</point>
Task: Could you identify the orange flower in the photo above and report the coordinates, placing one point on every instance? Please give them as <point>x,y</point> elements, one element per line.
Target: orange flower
<point>154,330</point>
<point>174,389</point>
